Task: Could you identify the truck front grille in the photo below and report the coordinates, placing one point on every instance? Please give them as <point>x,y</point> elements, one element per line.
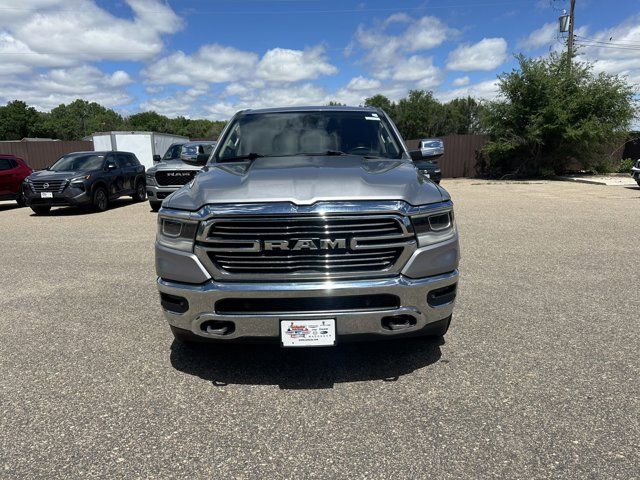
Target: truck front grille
<point>306,246</point>
<point>48,185</point>
<point>175,178</point>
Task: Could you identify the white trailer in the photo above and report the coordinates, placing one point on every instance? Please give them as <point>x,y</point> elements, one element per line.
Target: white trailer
<point>144,144</point>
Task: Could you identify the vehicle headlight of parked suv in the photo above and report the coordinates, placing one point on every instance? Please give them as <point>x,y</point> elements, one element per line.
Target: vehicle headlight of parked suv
<point>176,233</point>
<point>435,227</point>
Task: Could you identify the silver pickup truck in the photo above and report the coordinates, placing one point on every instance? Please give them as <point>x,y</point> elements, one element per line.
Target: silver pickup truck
<point>309,226</point>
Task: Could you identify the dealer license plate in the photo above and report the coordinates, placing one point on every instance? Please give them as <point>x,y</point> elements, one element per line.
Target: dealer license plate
<point>46,194</point>
<point>308,333</point>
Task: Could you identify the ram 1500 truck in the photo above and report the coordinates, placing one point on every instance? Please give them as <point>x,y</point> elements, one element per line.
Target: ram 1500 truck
<point>309,226</point>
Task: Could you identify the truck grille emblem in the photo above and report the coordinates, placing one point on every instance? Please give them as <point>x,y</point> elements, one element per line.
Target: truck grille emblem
<point>306,244</point>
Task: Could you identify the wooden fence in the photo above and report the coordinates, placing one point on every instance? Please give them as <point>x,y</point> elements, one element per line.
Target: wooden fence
<point>459,159</point>
<point>41,154</point>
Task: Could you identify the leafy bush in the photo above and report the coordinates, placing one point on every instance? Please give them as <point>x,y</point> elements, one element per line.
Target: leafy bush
<point>553,111</point>
<point>625,165</point>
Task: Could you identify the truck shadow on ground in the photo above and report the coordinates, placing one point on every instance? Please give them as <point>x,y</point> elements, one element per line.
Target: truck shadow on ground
<point>314,368</point>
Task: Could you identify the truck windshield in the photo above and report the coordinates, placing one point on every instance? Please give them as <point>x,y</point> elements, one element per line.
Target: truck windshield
<point>78,163</point>
<point>173,153</point>
<point>328,132</point>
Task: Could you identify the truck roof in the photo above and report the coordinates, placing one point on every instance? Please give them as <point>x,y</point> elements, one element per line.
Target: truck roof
<point>325,108</point>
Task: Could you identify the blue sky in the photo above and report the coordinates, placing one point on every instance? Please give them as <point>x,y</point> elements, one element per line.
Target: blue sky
<point>202,58</point>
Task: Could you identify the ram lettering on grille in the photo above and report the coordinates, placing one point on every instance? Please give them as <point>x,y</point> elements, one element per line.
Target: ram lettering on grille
<point>305,247</point>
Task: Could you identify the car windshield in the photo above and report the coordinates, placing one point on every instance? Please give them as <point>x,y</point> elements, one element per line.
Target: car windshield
<point>303,133</point>
<point>173,153</point>
<point>78,163</point>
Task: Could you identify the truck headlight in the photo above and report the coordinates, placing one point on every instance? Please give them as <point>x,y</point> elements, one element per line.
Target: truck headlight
<point>434,227</point>
<point>150,178</point>
<point>175,233</point>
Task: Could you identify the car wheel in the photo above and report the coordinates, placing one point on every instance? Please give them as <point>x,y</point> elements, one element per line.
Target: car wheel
<point>100,200</point>
<point>141,192</point>
<point>20,200</point>
<point>439,329</point>
<point>40,209</point>
<point>155,206</point>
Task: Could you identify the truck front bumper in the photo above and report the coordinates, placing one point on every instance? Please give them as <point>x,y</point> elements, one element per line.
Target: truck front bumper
<point>418,303</point>
<point>157,193</point>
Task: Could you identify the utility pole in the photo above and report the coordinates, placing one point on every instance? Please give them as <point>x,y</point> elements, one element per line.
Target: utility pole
<point>570,37</point>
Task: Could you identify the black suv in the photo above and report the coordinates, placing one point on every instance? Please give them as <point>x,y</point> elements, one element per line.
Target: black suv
<point>89,179</point>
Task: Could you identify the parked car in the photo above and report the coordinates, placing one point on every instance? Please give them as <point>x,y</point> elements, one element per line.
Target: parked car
<point>635,172</point>
<point>13,170</point>
<point>179,166</point>
<point>425,158</point>
<point>90,179</point>
<point>310,226</point>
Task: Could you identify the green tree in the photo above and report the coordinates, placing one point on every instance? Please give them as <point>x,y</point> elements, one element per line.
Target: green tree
<point>463,116</point>
<point>148,121</point>
<point>553,111</point>
<point>81,118</point>
<point>18,120</point>
<point>380,101</point>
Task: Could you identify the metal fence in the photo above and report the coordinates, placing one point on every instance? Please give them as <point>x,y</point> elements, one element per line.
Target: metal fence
<point>41,154</point>
<point>459,159</point>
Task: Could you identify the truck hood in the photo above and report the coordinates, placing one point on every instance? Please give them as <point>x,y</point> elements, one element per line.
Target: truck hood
<point>173,165</point>
<point>306,180</point>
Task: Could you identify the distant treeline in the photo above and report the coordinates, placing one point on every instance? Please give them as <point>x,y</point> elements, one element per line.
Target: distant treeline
<point>81,118</point>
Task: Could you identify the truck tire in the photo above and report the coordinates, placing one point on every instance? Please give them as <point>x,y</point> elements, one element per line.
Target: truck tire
<point>140,195</point>
<point>20,200</point>
<point>185,337</point>
<point>439,329</point>
<point>100,201</point>
<point>40,209</point>
<point>155,206</point>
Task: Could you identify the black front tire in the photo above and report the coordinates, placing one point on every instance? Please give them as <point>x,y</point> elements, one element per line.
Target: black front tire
<point>100,200</point>
<point>40,209</point>
<point>440,328</point>
<point>155,206</point>
<point>140,194</point>
<point>20,200</point>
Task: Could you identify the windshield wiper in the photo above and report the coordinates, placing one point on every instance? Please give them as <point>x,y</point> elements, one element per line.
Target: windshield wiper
<point>248,156</point>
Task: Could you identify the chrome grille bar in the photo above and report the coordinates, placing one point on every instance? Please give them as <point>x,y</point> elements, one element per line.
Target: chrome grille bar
<point>305,246</point>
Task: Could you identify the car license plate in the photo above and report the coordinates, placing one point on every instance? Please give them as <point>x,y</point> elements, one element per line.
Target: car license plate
<point>46,194</point>
<point>308,333</point>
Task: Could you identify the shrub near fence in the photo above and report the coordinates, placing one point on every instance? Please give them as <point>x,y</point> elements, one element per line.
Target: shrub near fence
<point>459,159</point>
<point>42,154</point>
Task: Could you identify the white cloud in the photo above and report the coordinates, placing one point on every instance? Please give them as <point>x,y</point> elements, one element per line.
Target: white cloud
<point>418,69</point>
<point>66,33</point>
<point>284,65</point>
<point>383,51</point>
<point>461,81</point>
<point>210,64</point>
<point>486,90</point>
<point>363,84</point>
<point>544,36</point>
<point>48,90</point>
<point>487,54</point>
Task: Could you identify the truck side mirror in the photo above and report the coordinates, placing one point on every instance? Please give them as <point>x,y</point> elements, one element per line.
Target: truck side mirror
<point>157,158</point>
<point>202,158</point>
<point>111,166</point>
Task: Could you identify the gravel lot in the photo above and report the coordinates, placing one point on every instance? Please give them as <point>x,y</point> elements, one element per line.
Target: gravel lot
<point>538,377</point>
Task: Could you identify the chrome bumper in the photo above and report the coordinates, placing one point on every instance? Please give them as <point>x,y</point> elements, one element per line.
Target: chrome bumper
<point>412,294</point>
<point>153,190</point>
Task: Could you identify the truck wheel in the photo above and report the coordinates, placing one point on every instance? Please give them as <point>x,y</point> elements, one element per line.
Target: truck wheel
<point>439,329</point>
<point>185,337</point>
<point>155,206</point>
<point>100,200</point>
<point>140,194</point>
<point>40,209</point>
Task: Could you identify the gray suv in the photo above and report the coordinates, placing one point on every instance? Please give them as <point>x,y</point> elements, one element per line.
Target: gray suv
<point>309,226</point>
<point>180,164</point>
